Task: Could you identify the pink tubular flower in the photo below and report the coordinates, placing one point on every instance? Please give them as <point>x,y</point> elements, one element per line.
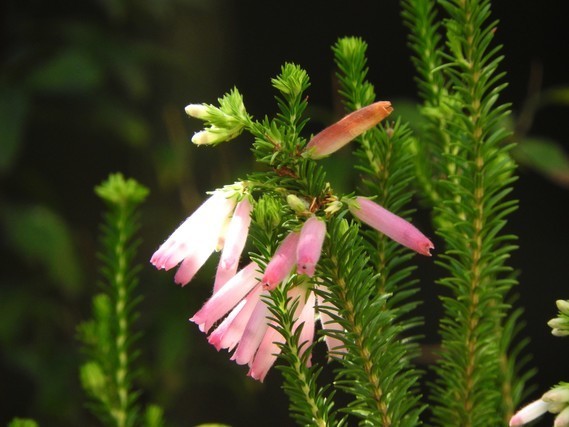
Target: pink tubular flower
<point>235,238</point>
<point>281,263</point>
<point>529,413</point>
<point>195,239</point>
<point>309,246</point>
<point>351,126</point>
<point>227,297</point>
<point>269,347</point>
<point>391,225</point>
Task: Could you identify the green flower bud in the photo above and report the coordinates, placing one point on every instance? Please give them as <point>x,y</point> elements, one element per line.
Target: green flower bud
<point>563,306</point>
<point>297,204</point>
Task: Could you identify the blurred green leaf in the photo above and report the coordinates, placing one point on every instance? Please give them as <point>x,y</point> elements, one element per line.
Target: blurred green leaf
<point>153,416</point>
<point>557,95</point>
<point>13,109</point>
<point>409,111</point>
<point>21,422</point>
<point>545,156</point>
<point>71,71</point>
<point>41,236</point>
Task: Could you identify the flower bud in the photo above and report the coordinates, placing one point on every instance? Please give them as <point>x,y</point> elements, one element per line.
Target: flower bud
<point>351,126</point>
<point>558,323</point>
<point>391,225</point>
<point>560,332</point>
<point>297,204</point>
<point>563,306</point>
<point>529,413</point>
<point>198,111</point>
<point>562,420</point>
<point>558,394</point>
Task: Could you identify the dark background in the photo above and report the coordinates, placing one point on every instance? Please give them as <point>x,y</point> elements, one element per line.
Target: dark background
<point>91,88</point>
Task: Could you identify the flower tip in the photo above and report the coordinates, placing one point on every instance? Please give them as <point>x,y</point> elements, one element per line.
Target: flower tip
<point>269,285</point>
<point>199,322</point>
<point>306,268</point>
<point>202,138</point>
<point>426,248</point>
<point>198,111</point>
<point>516,421</point>
<point>259,376</point>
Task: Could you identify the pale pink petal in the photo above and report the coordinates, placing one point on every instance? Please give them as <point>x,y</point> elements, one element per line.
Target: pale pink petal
<point>266,354</point>
<point>203,225</point>
<point>228,334</point>
<point>351,126</point>
<point>235,239</point>
<point>562,420</point>
<point>228,297</point>
<point>309,246</point>
<point>191,264</point>
<point>307,319</point>
<point>391,225</point>
<point>282,262</point>
<point>253,334</point>
<point>529,413</point>
<point>335,346</point>
<point>222,276</point>
<point>216,337</point>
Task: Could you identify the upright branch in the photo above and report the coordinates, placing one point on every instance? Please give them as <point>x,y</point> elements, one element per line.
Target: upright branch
<point>465,127</point>
<point>108,373</point>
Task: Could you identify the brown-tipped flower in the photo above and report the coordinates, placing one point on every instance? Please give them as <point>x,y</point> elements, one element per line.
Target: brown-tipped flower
<point>340,133</point>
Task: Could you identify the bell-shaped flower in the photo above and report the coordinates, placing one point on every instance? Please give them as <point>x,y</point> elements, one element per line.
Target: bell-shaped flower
<point>351,126</point>
<point>391,225</point>
<point>246,328</point>
<point>282,262</point>
<point>309,246</point>
<point>227,297</point>
<point>196,238</point>
<point>269,347</point>
<point>234,242</point>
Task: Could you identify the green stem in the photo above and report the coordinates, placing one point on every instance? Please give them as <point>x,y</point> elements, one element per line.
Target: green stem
<point>120,412</point>
<point>357,331</point>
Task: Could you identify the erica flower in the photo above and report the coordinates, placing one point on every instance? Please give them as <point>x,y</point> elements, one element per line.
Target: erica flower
<point>196,238</point>
<point>245,327</point>
<point>282,262</point>
<point>391,225</point>
<point>242,316</point>
<point>555,401</point>
<point>234,242</point>
<point>351,126</point>
<point>310,245</point>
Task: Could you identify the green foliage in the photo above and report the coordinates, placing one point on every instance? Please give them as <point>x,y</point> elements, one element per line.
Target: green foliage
<point>309,403</point>
<point>479,380</point>
<point>21,422</point>
<point>546,157</point>
<point>375,369</point>
<point>42,238</point>
<point>108,339</point>
<point>385,159</point>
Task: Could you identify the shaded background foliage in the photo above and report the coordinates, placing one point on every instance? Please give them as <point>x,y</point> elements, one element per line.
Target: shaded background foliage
<point>92,87</point>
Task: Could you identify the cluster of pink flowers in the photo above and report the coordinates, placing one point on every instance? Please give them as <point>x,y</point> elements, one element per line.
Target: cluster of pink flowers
<point>238,296</point>
<point>236,307</point>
